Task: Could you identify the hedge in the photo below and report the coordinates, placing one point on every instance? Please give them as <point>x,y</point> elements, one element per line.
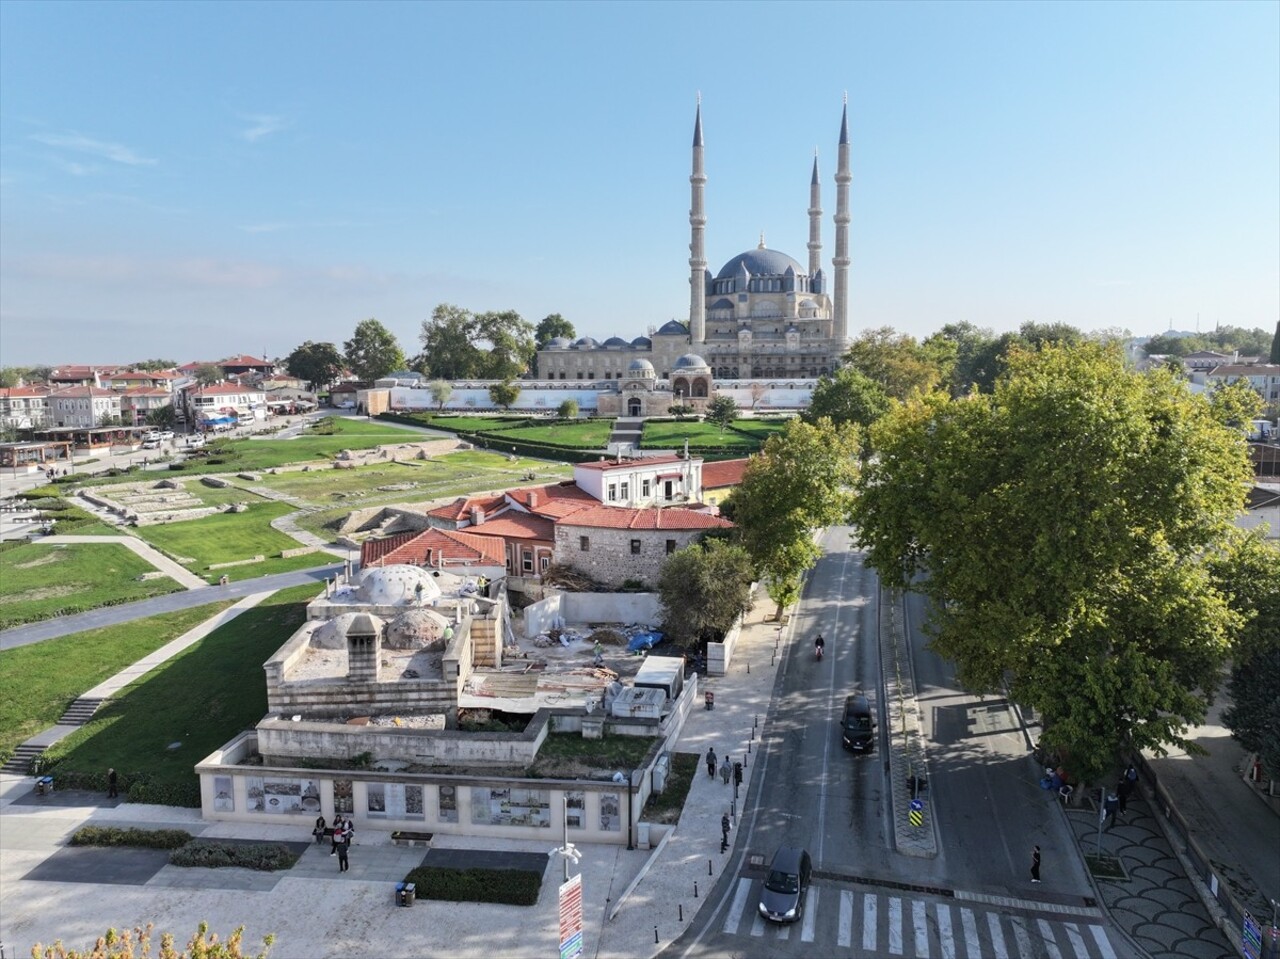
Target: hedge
<point>214,854</point>
<point>143,838</point>
<point>138,787</point>
<point>512,887</point>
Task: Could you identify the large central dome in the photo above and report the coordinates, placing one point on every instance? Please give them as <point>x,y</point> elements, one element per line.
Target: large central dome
<point>760,262</point>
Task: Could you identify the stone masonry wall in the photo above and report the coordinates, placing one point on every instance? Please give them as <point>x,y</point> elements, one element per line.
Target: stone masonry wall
<point>609,558</point>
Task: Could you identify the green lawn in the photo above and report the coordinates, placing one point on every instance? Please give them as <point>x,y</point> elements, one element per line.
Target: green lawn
<point>466,424</point>
<point>39,580</point>
<point>671,434</point>
<point>318,444</point>
<point>39,681</point>
<point>761,429</point>
<point>578,434</point>
<point>198,700</point>
<point>227,537</point>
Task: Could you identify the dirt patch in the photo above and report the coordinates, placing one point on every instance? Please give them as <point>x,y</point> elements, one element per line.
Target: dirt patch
<point>42,561</point>
<point>47,592</point>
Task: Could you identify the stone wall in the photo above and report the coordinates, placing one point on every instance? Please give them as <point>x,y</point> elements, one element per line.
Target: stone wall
<point>609,558</point>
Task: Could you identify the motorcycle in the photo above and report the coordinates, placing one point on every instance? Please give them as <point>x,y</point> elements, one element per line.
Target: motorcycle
<point>817,652</point>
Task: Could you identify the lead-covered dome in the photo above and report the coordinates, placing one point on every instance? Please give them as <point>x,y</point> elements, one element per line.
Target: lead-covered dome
<point>673,326</point>
<point>638,367</point>
<point>760,262</point>
<point>397,585</point>
<point>586,343</point>
<point>615,341</point>
<point>690,362</point>
<point>642,341</point>
<point>558,343</point>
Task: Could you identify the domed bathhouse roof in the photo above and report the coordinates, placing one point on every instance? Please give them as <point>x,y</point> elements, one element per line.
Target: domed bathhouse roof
<point>643,341</point>
<point>639,367</point>
<point>415,628</point>
<point>689,363</point>
<point>396,586</point>
<point>616,341</point>
<point>760,262</point>
<point>333,633</point>
<point>673,327</point>
<point>558,343</point>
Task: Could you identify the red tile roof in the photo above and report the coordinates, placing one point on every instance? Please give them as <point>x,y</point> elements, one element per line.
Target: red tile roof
<point>724,473</point>
<point>460,508</point>
<point>77,392</point>
<point>614,517</point>
<point>12,391</point>
<point>243,359</point>
<point>516,526</point>
<point>433,547</point>
<point>552,501</point>
<point>224,389</point>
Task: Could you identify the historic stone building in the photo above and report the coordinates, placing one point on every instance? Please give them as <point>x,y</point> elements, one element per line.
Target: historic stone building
<point>764,315</point>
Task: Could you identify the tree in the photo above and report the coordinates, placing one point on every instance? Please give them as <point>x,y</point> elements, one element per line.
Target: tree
<point>206,374</point>
<point>165,417</point>
<point>568,410</point>
<point>1235,403</point>
<point>966,356</point>
<point>12,376</point>
<point>704,588</point>
<point>372,351</point>
<point>847,397</point>
<point>1060,526</point>
<point>151,366</point>
<point>510,339</point>
<point>440,393</point>
<point>504,394</point>
<point>722,410</point>
<point>1275,345</point>
<point>758,392</point>
<point>317,363</point>
<point>801,480</point>
<point>447,349</point>
<point>137,945</point>
<point>893,360</point>
<point>109,419</point>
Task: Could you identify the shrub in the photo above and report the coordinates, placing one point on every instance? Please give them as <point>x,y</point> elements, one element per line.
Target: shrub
<point>214,853</point>
<point>143,838</point>
<point>512,887</point>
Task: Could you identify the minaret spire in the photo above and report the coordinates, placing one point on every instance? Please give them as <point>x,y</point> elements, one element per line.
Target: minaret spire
<point>815,221</point>
<point>840,305</point>
<point>697,229</point>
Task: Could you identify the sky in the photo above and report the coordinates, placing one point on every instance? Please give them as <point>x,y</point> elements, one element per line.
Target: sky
<point>194,180</point>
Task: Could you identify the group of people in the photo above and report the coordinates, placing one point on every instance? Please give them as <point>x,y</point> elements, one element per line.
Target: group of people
<point>342,832</point>
<point>725,767</point>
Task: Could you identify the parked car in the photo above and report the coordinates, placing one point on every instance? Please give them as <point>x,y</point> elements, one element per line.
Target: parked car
<point>152,444</point>
<point>782,898</point>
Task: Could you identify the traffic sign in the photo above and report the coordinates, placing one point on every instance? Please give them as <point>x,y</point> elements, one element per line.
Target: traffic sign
<point>1251,936</point>
<point>916,814</point>
<point>571,918</point>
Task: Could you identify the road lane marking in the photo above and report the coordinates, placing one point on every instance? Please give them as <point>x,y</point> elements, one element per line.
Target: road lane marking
<point>739,904</point>
<point>895,926</point>
<point>1050,944</point>
<point>997,936</point>
<point>869,923</point>
<point>970,932</point>
<point>1077,940</point>
<point>757,926</point>
<point>922,929</point>
<point>1104,944</point>
<point>810,916</point>
<point>844,932</point>
<point>784,930</point>
<point>945,943</point>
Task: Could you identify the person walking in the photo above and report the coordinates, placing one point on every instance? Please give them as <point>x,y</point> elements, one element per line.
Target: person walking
<point>725,769</point>
<point>1035,864</point>
<point>711,763</point>
<point>344,845</point>
<point>598,651</point>
<point>112,781</point>
<point>1122,797</point>
<point>337,835</point>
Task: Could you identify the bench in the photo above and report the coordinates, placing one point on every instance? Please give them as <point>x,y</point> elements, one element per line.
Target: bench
<point>44,785</point>
<point>403,838</point>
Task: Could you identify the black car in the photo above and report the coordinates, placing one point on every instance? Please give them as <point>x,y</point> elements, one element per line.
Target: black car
<point>782,898</point>
<point>857,726</point>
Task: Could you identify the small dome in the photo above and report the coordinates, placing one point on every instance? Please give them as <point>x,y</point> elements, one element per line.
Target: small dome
<point>333,633</point>
<point>396,586</point>
<point>689,362</point>
<point>586,343</point>
<point>615,341</point>
<point>642,341</point>
<point>640,366</point>
<point>415,629</point>
<point>673,327</point>
<point>558,343</point>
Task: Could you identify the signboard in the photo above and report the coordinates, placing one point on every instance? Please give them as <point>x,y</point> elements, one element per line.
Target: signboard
<point>1251,934</point>
<point>916,814</point>
<point>571,918</point>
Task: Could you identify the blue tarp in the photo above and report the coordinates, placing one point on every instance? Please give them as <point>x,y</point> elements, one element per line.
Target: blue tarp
<point>644,641</point>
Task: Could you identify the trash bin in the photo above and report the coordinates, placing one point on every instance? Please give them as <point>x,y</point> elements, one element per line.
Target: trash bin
<point>405,893</point>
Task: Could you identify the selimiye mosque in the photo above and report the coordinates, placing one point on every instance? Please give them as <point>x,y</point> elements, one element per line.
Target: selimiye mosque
<point>763,316</point>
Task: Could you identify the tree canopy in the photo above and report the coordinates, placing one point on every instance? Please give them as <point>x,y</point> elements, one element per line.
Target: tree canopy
<point>373,351</point>
<point>847,396</point>
<point>722,410</point>
<point>317,363</point>
<point>704,588</point>
<point>504,394</point>
<point>894,361</point>
<point>440,393</point>
<point>458,344</point>
<point>551,326</point>
<point>800,480</point>
<point>207,373</point>
<point>1061,524</point>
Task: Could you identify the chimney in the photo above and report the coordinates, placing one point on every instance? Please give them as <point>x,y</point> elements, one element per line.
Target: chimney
<point>533,500</point>
<point>477,516</point>
<point>363,649</point>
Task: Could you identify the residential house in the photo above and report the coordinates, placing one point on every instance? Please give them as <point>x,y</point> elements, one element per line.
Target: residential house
<point>719,478</point>
<point>649,481</point>
<point>83,407</point>
<point>1263,377</point>
<point>220,405</point>
<point>447,549</point>
<point>63,376</point>
<point>138,402</point>
<point>1262,508</point>
<point>24,407</point>
<point>617,545</point>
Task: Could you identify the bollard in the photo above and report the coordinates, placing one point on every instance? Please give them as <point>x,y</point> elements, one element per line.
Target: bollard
<point>748,747</point>
<point>695,889</point>
<point>680,906</point>
<point>709,867</point>
<point>756,724</point>
<point>772,657</point>
<point>748,667</point>
<point>751,736</point>
<point>655,935</point>
<point>733,808</point>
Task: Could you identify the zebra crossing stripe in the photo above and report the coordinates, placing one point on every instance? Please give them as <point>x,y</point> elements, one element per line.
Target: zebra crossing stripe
<point>739,903</point>
<point>844,932</point>
<point>1104,945</point>
<point>1050,944</point>
<point>757,926</point>
<point>1021,936</point>
<point>784,931</point>
<point>1077,940</point>
<point>997,937</point>
<point>945,942</point>
<point>970,932</point>
<point>869,923</point>
<point>895,925</point>
<point>921,929</point>
<point>810,916</point>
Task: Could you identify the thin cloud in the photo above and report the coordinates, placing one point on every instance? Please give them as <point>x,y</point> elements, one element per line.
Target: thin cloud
<point>263,124</point>
<point>116,152</point>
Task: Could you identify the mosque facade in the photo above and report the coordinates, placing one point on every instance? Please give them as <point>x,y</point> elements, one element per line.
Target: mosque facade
<point>764,316</point>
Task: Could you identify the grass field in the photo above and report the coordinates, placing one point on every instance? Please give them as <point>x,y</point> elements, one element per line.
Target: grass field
<point>469,424</point>
<point>579,434</point>
<point>761,429</point>
<point>39,581</point>
<point>315,445</point>
<point>199,699</point>
<point>227,537</point>
<point>672,434</point>
<point>39,681</point>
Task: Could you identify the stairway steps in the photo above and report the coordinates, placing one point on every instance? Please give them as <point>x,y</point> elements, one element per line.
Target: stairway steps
<point>80,712</point>
<point>19,763</point>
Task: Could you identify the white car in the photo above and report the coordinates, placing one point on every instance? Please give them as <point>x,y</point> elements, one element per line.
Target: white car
<point>151,444</point>
<point>166,434</point>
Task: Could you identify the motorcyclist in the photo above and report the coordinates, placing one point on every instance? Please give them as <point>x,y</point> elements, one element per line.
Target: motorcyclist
<point>819,646</point>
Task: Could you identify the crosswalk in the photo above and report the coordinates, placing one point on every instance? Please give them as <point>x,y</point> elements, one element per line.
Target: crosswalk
<point>882,924</point>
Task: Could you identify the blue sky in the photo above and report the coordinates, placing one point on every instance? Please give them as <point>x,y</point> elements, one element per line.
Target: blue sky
<point>191,180</point>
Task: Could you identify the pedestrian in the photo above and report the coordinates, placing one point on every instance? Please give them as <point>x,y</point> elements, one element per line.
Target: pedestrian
<point>599,654</point>
<point>1035,864</point>
<point>321,830</point>
<point>111,783</point>
<point>1122,797</point>
<point>725,769</point>
<point>337,835</point>
<point>711,762</point>
<point>343,848</point>
<point>1109,807</point>
<point>1131,776</point>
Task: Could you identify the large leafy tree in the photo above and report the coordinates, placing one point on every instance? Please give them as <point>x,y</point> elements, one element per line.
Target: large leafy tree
<point>551,326</point>
<point>1275,345</point>
<point>847,396</point>
<point>504,394</point>
<point>801,480</point>
<point>704,588</point>
<point>1061,525</point>
<point>722,410</point>
<point>153,365</point>
<point>894,361</point>
<point>510,344</point>
<point>458,344</point>
<point>440,391</point>
<point>372,351</point>
<point>207,373</point>
<point>317,363</point>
